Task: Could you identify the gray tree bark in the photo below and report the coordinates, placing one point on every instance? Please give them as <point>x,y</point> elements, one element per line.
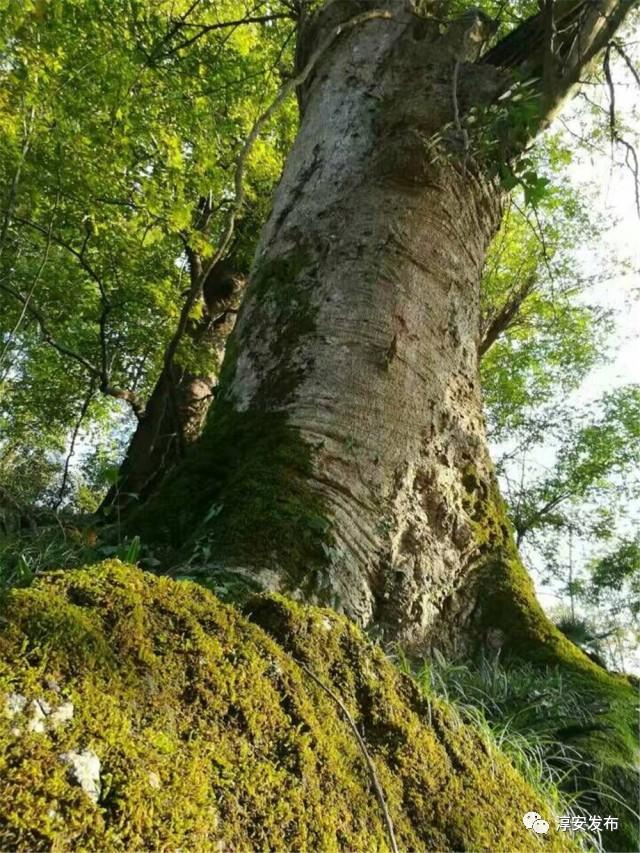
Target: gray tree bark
<point>389,246</point>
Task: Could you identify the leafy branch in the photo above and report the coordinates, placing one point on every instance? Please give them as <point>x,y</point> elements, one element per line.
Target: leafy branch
<point>204,29</point>
<point>103,373</point>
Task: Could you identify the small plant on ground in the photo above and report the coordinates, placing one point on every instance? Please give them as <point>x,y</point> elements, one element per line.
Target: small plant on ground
<point>520,711</point>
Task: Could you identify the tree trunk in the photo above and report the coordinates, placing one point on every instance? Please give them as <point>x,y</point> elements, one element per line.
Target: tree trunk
<point>176,410</point>
<point>346,460</point>
<point>356,347</point>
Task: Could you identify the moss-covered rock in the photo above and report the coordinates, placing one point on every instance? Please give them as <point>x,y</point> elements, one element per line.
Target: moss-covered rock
<point>211,735</point>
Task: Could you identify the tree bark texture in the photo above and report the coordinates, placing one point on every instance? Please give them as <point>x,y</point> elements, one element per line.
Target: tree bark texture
<point>357,472</point>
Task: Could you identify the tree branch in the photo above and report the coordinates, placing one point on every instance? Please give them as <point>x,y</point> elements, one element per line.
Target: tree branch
<point>13,190</point>
<point>627,60</point>
<point>506,316</point>
<point>72,446</point>
<point>102,378</point>
<point>46,334</point>
<point>523,529</point>
<point>103,375</point>
<point>79,255</point>
<point>583,29</point>
<point>363,747</point>
<point>34,284</point>
<point>631,157</point>
<point>208,28</point>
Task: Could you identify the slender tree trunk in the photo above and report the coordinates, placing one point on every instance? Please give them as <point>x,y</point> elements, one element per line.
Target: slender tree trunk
<point>176,410</point>
<point>172,419</point>
<point>355,466</point>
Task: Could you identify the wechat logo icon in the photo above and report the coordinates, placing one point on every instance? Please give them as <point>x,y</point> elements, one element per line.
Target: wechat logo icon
<point>534,822</point>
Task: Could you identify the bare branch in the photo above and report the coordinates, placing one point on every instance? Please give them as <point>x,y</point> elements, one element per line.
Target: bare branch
<point>612,93</point>
<point>631,161</point>
<point>627,60</point>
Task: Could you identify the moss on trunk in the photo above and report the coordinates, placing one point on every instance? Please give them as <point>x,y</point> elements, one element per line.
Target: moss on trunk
<point>244,492</point>
<point>210,733</point>
<point>254,505</point>
<point>608,743</point>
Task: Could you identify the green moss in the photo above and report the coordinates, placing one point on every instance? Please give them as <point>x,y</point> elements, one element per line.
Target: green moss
<point>276,277</point>
<point>244,488</point>
<point>246,491</point>
<point>228,366</point>
<point>295,319</point>
<point>610,746</point>
<point>505,591</point>
<point>210,734</point>
<point>508,605</point>
<point>277,290</point>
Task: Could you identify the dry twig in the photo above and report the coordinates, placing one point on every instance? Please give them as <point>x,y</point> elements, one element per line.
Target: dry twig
<point>363,747</point>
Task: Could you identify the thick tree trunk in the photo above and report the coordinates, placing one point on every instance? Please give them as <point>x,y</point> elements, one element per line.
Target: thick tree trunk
<point>357,342</point>
<point>345,461</point>
<point>355,470</point>
<point>176,410</point>
<point>362,327</point>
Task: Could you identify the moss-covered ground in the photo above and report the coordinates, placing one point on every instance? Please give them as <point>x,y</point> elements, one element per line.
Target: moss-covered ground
<point>509,613</point>
<point>212,736</point>
<point>608,743</point>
